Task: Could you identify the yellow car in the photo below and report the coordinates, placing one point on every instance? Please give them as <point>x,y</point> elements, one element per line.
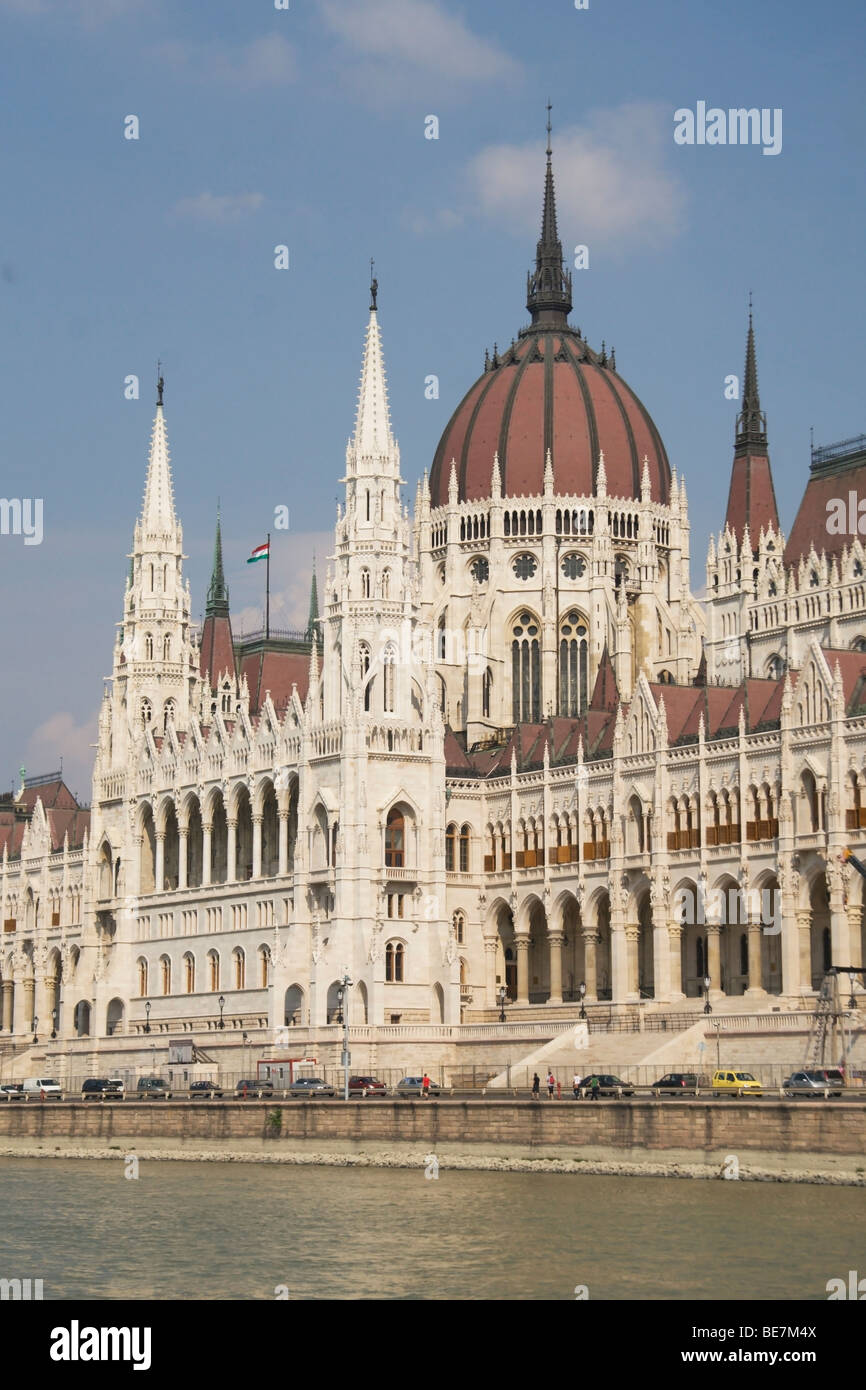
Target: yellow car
<point>735,1083</point>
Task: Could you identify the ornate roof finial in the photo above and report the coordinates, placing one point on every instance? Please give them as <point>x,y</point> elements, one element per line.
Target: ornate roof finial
<point>751,421</point>
<point>374,285</point>
<point>548,287</point>
<point>217,595</point>
<point>160,383</point>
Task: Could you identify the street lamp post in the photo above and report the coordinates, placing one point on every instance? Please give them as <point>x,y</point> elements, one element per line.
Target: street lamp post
<point>708,1008</point>
<point>502,997</point>
<point>343,997</point>
<point>35,1028</point>
<point>582,988</point>
<point>147,1013</point>
<point>54,1023</point>
<point>222,1003</point>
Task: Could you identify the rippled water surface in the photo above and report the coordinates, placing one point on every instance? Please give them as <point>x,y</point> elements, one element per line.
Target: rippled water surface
<point>236,1231</point>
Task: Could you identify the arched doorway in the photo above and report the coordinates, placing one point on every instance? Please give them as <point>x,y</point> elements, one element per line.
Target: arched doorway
<point>82,1019</point>
<point>114,1018</point>
<point>437,1012</point>
<point>294,1011</point>
<point>819,931</point>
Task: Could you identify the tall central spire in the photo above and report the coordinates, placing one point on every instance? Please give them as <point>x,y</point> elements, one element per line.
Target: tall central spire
<point>548,287</point>
<point>217,593</point>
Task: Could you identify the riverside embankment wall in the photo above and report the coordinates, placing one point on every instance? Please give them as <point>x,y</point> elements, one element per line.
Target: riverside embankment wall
<point>695,1126</point>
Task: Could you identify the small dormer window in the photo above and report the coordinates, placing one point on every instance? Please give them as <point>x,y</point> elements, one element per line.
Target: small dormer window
<point>772,589</point>
<point>813,579</point>
<point>858,568</point>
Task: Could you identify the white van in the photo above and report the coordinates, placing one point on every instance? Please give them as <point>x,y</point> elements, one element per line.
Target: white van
<point>41,1087</point>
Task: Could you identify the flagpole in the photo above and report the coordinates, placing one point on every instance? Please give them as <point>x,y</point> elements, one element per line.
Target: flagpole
<point>268,590</point>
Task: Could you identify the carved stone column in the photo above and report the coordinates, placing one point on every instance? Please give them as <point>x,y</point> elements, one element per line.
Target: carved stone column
<point>591,941</point>
<point>232,849</point>
<point>555,940</point>
<point>206,833</point>
<point>257,844</point>
<point>755,966</point>
<point>490,945</point>
<point>7,1005</point>
<point>159,870</point>
<point>521,946</point>
<point>283,815</point>
<point>675,952</point>
<point>632,942</point>
<point>182,844</point>
<point>804,931</point>
<point>714,957</point>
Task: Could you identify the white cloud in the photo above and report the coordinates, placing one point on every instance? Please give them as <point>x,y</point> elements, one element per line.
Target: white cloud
<point>61,737</point>
<point>265,62</point>
<point>218,208</point>
<point>612,186</point>
<point>418,36</point>
<point>431,223</point>
<point>291,569</point>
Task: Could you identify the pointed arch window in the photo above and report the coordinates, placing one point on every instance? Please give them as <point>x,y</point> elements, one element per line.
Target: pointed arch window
<point>148,646</point>
<point>240,966</point>
<point>365,580</point>
<point>364,663</point>
<point>526,671</point>
<point>189,973</point>
<point>395,839</point>
<point>166,647</point>
<point>451,848</point>
<point>165,973</point>
<point>146,712</point>
<point>168,715</point>
<point>142,978</point>
<point>573,665</point>
<point>394,960</point>
<point>486,693</point>
<point>465,836</point>
<point>386,584</point>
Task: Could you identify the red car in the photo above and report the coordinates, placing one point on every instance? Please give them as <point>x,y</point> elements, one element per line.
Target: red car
<point>364,1086</point>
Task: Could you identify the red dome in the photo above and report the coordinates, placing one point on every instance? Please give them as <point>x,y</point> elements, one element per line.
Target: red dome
<point>550,391</point>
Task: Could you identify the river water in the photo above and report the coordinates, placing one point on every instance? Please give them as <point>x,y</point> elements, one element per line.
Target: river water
<point>185,1230</point>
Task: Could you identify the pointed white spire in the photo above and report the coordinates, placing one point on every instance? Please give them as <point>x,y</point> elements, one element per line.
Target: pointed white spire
<point>601,477</point>
<point>645,484</point>
<point>157,513</point>
<point>452,485</point>
<point>496,478</point>
<point>372,437</point>
<point>548,475</point>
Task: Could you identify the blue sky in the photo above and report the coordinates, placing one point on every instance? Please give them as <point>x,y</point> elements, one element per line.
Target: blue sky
<point>305,127</point>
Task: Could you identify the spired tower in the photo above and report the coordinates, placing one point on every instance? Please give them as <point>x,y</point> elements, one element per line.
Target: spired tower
<point>373,784</point>
<point>751,545</point>
<point>155,668</point>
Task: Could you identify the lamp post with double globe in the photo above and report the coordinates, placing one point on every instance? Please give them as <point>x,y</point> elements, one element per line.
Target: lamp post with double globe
<point>582,988</point>
<point>147,1017</point>
<point>708,1008</point>
<point>502,996</point>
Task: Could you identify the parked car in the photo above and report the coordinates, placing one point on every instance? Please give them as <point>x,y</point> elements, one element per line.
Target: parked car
<point>43,1087</point>
<point>102,1088</point>
<point>608,1085</point>
<point>12,1091</point>
<point>833,1076</point>
<point>677,1082</point>
<point>812,1083</point>
<point>254,1090</point>
<point>206,1089</point>
<point>411,1086</point>
<point>366,1086</point>
<point>152,1088</point>
<point>735,1083</point>
<point>310,1086</point>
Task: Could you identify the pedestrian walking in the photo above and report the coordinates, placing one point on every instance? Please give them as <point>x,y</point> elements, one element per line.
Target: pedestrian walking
<point>551,1085</point>
<point>575,1085</point>
<point>593,1088</point>
<point>425,1086</point>
<point>536,1083</point>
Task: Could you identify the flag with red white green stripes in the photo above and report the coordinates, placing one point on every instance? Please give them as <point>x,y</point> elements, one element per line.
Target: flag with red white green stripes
<point>261,552</point>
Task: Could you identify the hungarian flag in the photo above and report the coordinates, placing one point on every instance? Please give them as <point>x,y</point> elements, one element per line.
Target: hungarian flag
<point>261,552</point>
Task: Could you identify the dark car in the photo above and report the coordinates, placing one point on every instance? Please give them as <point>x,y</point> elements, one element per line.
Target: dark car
<point>152,1088</point>
<point>812,1083</point>
<point>102,1088</point>
<point>206,1089</point>
<point>11,1091</point>
<point>311,1086</point>
<point>366,1086</point>
<point>608,1085</point>
<point>254,1090</point>
<point>676,1082</point>
<point>411,1086</point>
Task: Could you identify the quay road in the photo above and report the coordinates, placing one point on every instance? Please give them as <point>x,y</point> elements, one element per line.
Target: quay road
<point>855,1095</point>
